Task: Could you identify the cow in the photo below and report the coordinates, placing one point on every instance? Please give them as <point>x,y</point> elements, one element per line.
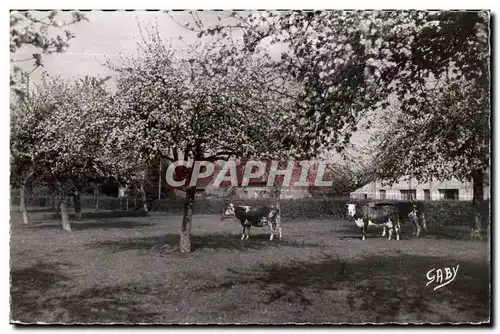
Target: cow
<point>255,216</point>
<point>418,219</point>
<point>386,216</point>
<point>409,211</point>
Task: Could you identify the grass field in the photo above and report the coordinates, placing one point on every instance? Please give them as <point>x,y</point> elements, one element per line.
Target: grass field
<point>124,268</point>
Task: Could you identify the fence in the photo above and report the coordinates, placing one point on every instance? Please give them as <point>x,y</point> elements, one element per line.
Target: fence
<point>439,213</point>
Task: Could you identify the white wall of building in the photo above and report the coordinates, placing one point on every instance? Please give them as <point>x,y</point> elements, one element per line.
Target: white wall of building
<point>375,190</point>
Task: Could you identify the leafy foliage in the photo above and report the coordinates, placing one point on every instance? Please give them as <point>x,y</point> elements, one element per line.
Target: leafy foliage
<point>443,127</point>
<point>329,58</point>
<point>439,144</point>
<point>28,28</point>
<point>345,179</point>
<point>346,63</point>
<point>205,106</point>
<point>61,128</point>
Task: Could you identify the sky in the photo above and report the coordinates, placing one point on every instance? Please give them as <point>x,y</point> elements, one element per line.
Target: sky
<point>110,35</point>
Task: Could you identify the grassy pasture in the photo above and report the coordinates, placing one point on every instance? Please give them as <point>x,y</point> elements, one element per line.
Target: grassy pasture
<point>123,267</point>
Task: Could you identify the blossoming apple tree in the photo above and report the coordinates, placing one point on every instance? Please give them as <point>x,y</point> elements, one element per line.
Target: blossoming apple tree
<point>203,105</point>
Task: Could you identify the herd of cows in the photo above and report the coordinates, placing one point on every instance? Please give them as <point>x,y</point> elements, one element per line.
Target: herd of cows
<point>388,216</point>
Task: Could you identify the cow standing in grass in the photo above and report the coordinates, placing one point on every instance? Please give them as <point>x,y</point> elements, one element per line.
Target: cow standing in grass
<point>255,216</point>
<point>417,216</point>
<point>408,211</point>
<point>380,216</point>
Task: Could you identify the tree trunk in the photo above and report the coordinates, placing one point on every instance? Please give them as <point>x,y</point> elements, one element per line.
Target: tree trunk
<point>64,215</point>
<point>96,198</point>
<point>143,198</point>
<point>22,199</point>
<point>477,199</point>
<point>58,206</point>
<point>159,181</point>
<point>55,202</point>
<point>63,205</point>
<point>277,197</point>
<point>77,204</point>
<point>185,242</point>
<point>22,204</point>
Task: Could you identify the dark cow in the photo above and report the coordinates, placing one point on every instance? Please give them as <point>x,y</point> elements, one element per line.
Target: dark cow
<point>418,219</point>
<point>255,216</point>
<point>386,216</point>
<point>409,211</point>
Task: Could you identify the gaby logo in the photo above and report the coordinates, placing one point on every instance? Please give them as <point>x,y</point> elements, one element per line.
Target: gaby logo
<point>442,277</point>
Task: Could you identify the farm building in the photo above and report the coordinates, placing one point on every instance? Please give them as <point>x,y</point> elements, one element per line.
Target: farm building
<point>411,189</point>
<point>255,190</point>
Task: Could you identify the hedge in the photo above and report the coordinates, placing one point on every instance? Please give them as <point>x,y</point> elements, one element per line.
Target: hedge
<point>438,213</point>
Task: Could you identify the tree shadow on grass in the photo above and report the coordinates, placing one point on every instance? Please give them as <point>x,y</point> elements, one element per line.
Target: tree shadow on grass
<point>234,242</point>
<point>354,233</point>
<point>80,226</point>
<point>214,241</point>
<point>99,215</point>
<point>111,304</point>
<point>29,285</point>
<point>451,233</point>
<point>375,236</point>
<point>378,289</point>
<point>441,232</point>
<point>113,214</point>
<point>39,294</point>
<point>41,210</point>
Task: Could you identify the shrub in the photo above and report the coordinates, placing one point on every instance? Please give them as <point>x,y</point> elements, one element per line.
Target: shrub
<point>438,213</point>
<point>454,213</point>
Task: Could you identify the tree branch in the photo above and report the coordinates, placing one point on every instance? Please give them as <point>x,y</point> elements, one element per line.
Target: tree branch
<point>219,156</point>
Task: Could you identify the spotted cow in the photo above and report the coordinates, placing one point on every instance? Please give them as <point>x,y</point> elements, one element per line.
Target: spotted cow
<point>411,212</point>
<point>385,216</point>
<point>262,216</point>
